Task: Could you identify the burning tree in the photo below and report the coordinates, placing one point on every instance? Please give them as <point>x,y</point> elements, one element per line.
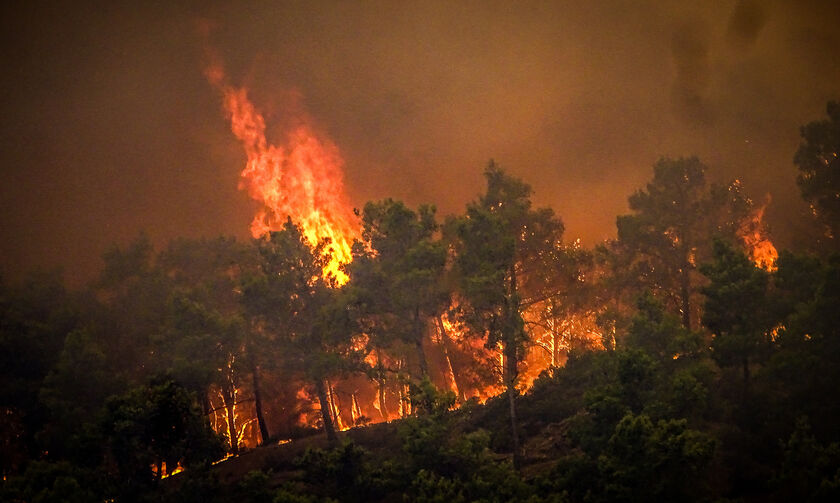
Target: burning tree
<point>399,270</point>
<point>307,323</point>
<point>561,309</point>
<point>497,243</point>
<point>674,219</point>
<point>206,338</point>
<point>300,178</point>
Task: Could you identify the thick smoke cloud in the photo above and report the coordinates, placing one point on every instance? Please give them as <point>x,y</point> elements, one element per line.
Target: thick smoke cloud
<point>108,126</point>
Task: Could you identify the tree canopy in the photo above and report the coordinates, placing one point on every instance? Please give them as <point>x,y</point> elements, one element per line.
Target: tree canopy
<point>819,168</point>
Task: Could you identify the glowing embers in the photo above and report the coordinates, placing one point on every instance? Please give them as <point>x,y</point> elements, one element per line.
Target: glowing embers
<point>299,177</point>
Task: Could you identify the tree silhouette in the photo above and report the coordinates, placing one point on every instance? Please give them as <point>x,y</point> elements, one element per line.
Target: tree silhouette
<point>819,168</point>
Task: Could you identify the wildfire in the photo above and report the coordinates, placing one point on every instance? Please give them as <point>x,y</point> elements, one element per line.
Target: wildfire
<point>164,472</point>
<point>231,419</point>
<point>753,233</point>
<point>554,335</point>
<point>453,338</point>
<point>300,178</point>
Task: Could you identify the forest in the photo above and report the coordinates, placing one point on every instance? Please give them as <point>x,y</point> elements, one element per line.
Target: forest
<point>476,357</point>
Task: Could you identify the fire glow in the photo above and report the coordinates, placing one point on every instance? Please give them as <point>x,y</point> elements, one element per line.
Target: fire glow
<point>753,233</point>
<point>301,178</point>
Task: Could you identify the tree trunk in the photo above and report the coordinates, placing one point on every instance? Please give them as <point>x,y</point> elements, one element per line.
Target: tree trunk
<point>402,401</point>
<point>335,407</point>
<point>418,344</point>
<point>326,412</point>
<point>258,403</point>
<point>512,392</point>
<point>510,370</point>
<point>444,337</point>
<point>421,357</point>
<point>355,410</point>
<point>382,407</point>
<point>380,381</point>
<point>405,402</point>
<point>229,397</point>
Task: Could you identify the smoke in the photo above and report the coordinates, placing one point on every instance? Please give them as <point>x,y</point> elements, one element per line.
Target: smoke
<point>109,126</point>
<point>690,52</point>
<point>745,24</point>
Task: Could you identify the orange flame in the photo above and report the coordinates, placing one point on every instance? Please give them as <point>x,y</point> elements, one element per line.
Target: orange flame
<point>553,337</point>
<point>164,472</point>
<point>301,178</point>
<point>753,232</point>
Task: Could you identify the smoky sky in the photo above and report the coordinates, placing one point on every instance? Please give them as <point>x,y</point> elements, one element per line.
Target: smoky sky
<point>108,127</point>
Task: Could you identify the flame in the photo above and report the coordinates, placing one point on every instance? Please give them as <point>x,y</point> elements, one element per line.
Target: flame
<point>300,178</point>
<point>753,232</point>
<point>164,473</point>
<point>553,337</point>
<point>222,411</point>
<point>244,418</point>
<point>776,331</point>
<point>335,408</point>
<point>461,363</point>
<point>480,356</point>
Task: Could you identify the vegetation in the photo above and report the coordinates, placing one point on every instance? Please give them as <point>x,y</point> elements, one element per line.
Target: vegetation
<point>670,364</point>
<point>818,163</point>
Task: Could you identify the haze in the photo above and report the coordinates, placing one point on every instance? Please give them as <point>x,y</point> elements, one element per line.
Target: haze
<point>108,126</point>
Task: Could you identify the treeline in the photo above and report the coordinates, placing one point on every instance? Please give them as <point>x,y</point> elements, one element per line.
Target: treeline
<point>680,361</point>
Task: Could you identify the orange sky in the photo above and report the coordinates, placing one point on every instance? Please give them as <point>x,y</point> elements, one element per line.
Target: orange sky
<point>108,126</point>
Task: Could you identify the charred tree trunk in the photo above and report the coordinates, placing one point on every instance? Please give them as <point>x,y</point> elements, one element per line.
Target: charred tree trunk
<point>447,343</point>
<point>335,406</point>
<point>510,373</point>
<point>326,412</point>
<point>380,381</point>
<point>403,395</point>
<point>406,393</point>
<point>382,407</point>
<point>258,403</point>
<point>355,410</point>
<point>510,367</point>
<point>229,397</point>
